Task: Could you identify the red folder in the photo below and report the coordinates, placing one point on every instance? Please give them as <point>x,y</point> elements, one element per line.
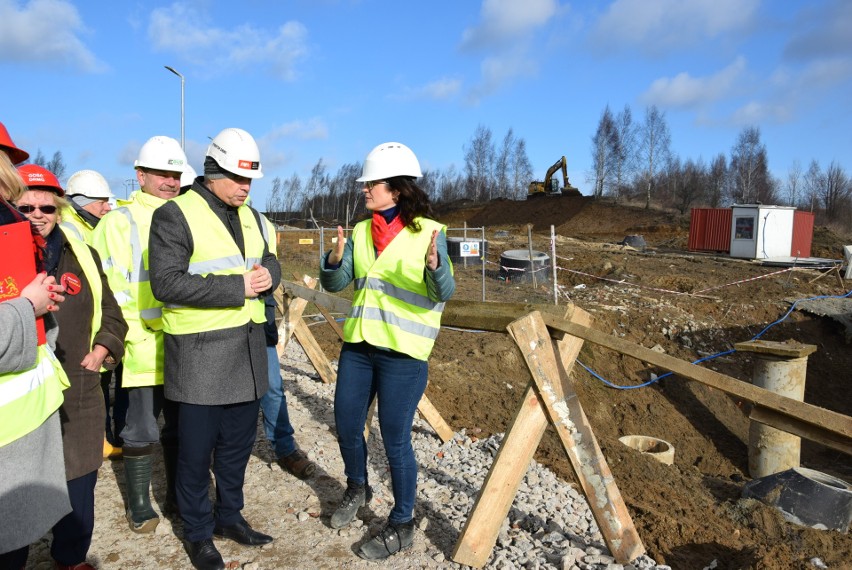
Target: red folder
<point>17,265</point>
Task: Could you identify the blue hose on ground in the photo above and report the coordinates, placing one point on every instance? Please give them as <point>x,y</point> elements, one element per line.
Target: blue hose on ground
<point>712,356</point>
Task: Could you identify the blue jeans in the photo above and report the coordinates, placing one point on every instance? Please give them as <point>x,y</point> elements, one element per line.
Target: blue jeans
<point>276,419</point>
<point>398,381</point>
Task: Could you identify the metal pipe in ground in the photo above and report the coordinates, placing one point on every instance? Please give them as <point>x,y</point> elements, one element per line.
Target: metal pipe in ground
<point>780,367</point>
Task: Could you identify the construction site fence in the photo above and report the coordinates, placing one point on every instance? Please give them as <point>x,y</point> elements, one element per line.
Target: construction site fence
<point>482,271</point>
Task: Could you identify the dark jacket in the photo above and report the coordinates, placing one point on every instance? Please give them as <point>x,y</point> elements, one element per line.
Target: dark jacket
<point>82,413</point>
<point>215,367</point>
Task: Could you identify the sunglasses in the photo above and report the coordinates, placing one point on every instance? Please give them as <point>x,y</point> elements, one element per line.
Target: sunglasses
<point>369,185</point>
<point>27,209</point>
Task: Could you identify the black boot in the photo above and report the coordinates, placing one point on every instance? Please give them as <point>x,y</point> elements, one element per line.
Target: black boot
<point>393,538</point>
<point>355,497</point>
<point>137,476</point>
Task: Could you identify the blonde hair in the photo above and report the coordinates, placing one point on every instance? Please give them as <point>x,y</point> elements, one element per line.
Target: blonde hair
<point>11,185</point>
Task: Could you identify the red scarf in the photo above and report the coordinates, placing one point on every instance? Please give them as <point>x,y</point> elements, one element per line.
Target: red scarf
<point>384,232</point>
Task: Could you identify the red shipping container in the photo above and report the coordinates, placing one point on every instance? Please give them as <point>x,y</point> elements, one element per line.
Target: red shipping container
<point>710,229</point>
<point>803,234</point>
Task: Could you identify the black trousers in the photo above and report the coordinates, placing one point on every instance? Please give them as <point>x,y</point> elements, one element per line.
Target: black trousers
<point>227,433</point>
<point>72,535</point>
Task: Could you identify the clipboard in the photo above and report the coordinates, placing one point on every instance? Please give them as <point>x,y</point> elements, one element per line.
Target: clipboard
<point>17,265</point>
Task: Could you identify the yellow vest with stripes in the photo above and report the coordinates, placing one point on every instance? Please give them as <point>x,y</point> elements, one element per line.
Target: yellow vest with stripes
<point>390,305</point>
<point>216,253</point>
<point>77,226</point>
<point>28,398</point>
<point>90,270</point>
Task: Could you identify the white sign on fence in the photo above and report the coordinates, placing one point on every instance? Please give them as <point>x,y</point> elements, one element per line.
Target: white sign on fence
<point>469,248</point>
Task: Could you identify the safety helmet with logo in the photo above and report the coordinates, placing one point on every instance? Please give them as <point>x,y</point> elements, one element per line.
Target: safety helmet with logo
<point>39,178</point>
<point>388,160</point>
<point>15,154</point>
<point>161,153</point>
<point>89,183</point>
<point>187,177</point>
<point>236,151</point>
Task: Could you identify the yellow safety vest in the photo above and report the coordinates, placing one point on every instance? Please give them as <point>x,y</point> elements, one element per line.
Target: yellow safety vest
<point>390,305</point>
<point>121,238</point>
<point>216,253</point>
<point>28,398</point>
<point>77,226</point>
<point>90,270</point>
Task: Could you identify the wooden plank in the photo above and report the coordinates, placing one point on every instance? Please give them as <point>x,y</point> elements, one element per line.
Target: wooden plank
<point>821,425</point>
<point>333,302</point>
<point>291,308</point>
<point>434,419</point>
<point>314,351</point>
<point>331,321</point>
<point>777,420</point>
<point>578,439</point>
<point>479,535</point>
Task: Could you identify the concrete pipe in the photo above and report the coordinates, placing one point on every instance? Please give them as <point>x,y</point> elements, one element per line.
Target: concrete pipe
<point>659,449</point>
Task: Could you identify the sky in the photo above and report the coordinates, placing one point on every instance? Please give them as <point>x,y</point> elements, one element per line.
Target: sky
<point>331,79</point>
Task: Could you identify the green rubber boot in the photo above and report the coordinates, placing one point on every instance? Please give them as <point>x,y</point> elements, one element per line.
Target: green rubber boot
<point>137,476</point>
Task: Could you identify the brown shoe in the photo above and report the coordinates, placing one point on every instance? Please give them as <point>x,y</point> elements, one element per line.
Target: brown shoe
<point>298,464</point>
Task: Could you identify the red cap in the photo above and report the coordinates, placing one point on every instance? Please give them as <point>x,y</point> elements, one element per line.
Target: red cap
<point>37,178</point>
<point>16,155</point>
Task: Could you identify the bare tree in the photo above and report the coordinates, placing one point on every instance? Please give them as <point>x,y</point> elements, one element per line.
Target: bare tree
<point>522,171</point>
<point>56,164</point>
<point>835,191</point>
<point>603,144</point>
<point>749,166</point>
<point>624,150</point>
<point>503,163</point>
<point>794,183</point>
<point>814,181</point>
<point>479,163</point>
<point>717,181</point>
<point>654,148</point>
<point>274,200</point>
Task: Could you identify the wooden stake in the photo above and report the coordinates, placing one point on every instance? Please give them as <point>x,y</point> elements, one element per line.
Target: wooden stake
<point>578,440</point>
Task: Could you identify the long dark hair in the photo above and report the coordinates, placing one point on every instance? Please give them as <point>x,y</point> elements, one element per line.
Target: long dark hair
<point>413,202</point>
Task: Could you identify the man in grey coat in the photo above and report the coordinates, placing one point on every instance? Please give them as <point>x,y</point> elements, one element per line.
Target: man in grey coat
<point>210,266</point>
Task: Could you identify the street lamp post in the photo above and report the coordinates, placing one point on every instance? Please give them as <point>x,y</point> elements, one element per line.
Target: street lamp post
<point>182,140</point>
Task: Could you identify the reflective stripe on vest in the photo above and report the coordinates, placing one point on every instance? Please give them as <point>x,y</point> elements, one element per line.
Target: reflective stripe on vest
<point>390,306</point>
<point>150,309</point>
<point>211,239</point>
<point>28,398</point>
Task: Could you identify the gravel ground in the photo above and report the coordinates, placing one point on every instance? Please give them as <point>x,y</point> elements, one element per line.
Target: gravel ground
<point>549,525</point>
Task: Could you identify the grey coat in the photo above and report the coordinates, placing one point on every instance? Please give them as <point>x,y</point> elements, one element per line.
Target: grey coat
<point>33,492</point>
<point>218,367</point>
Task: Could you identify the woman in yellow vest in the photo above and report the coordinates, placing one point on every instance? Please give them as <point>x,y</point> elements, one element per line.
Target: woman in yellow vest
<point>33,494</point>
<point>91,336</point>
<point>402,274</point>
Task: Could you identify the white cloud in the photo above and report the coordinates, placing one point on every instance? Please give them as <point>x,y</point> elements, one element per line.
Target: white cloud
<point>47,32</point>
<point>184,31</point>
<point>759,112</point>
<point>683,90</point>
<point>658,26</point>
<point>439,90</point>
<point>505,20</point>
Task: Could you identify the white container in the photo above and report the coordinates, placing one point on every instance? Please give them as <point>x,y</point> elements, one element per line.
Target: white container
<point>761,232</point>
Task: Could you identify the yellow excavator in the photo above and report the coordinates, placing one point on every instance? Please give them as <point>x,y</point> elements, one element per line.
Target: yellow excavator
<point>550,185</point>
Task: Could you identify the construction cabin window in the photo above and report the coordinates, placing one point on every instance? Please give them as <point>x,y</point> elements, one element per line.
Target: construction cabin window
<point>744,228</point>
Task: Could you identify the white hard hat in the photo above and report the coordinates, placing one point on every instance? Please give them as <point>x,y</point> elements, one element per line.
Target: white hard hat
<point>388,160</point>
<point>234,150</point>
<point>88,183</point>
<point>161,153</point>
<point>188,176</point>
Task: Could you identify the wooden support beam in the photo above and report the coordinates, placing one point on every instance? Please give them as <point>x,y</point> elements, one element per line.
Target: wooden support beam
<point>315,353</point>
<point>578,440</point>
<point>479,535</point>
<point>434,419</point>
<point>824,426</point>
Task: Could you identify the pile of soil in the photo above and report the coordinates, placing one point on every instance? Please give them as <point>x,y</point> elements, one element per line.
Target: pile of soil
<point>689,513</point>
